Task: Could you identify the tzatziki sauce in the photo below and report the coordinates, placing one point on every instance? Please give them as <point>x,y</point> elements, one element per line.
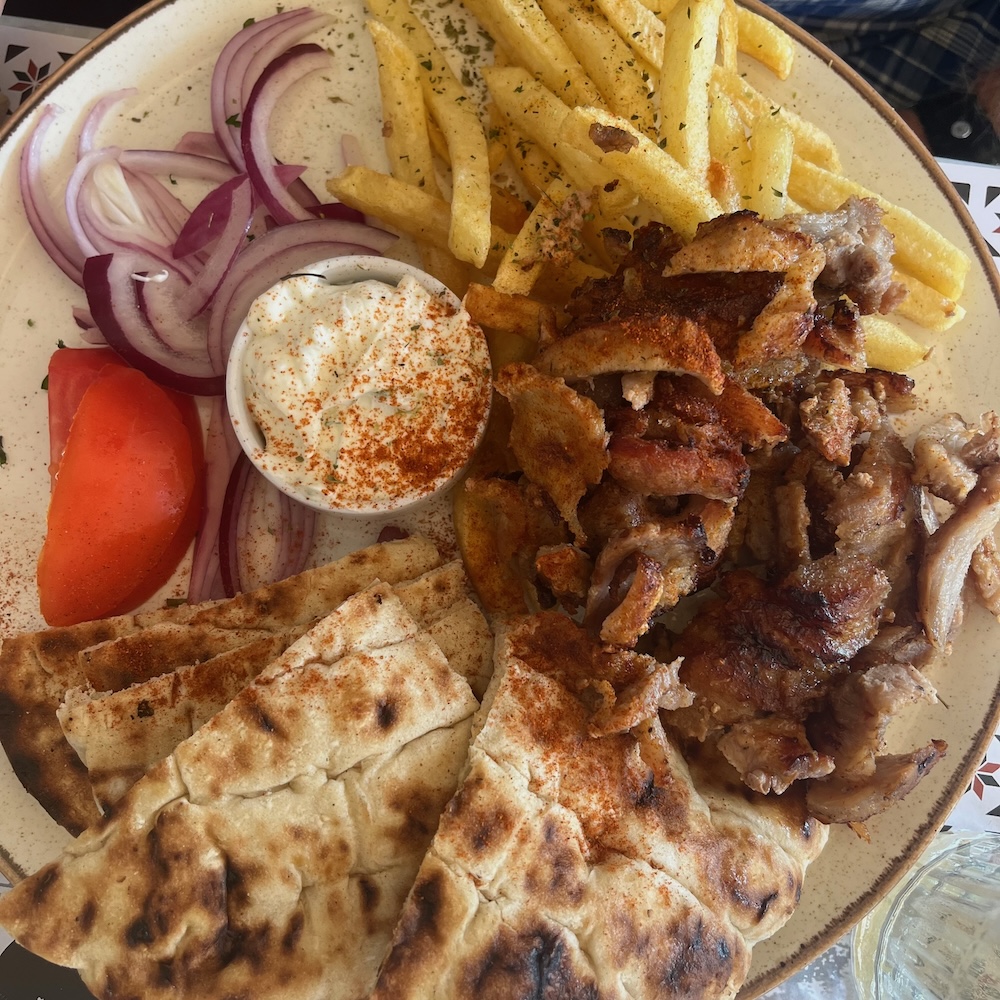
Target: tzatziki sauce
<point>369,396</point>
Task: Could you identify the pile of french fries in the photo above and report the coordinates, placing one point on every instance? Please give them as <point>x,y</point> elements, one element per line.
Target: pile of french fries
<point>601,116</point>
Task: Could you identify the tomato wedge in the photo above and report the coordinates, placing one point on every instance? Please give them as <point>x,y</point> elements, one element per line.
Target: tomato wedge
<point>126,499</point>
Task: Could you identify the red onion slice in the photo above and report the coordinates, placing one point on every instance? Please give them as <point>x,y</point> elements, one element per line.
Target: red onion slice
<point>200,144</point>
<point>225,96</point>
<point>113,298</point>
<point>168,163</point>
<point>281,74</point>
<point>96,116</point>
<point>264,536</point>
<point>52,234</point>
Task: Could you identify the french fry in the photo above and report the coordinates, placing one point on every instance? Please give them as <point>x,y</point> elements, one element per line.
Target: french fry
<point>771,145</point>
<point>605,57</point>
<point>727,143</point>
<point>766,42</point>
<point>515,314</point>
<point>638,26</point>
<point>921,250</point>
<point>811,142</point>
<point>690,41</point>
<point>926,307</point>
<point>406,208</point>
<point>532,108</point>
<point>524,29</point>
<point>523,260</point>
<point>681,199</point>
<point>729,35</point>
<point>888,347</point>
<point>454,110</point>
<point>404,115</point>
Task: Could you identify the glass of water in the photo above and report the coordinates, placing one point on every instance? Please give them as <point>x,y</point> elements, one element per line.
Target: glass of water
<point>936,936</point>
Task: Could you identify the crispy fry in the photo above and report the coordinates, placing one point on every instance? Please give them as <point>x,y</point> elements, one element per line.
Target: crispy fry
<point>888,347</point>
<point>524,29</point>
<point>404,115</point>
<point>681,199</point>
<point>606,58</point>
<point>639,26</point>
<point>550,233</point>
<point>920,249</point>
<point>691,32</point>
<point>811,142</point>
<point>771,145</point>
<point>729,34</point>
<point>766,42</point>
<point>926,307</point>
<point>515,314</point>
<point>455,112</point>
<point>727,143</point>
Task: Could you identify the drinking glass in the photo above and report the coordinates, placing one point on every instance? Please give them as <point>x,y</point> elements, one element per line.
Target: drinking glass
<point>936,936</point>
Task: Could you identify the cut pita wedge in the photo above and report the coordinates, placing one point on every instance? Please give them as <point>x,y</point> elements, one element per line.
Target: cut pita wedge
<point>577,865</point>
<point>270,853</point>
<point>119,735</point>
<point>37,669</point>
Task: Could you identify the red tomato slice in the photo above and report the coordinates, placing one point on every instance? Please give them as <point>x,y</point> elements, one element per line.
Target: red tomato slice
<point>128,478</point>
<point>71,372</point>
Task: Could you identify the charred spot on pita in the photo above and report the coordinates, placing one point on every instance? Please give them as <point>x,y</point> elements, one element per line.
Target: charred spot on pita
<point>386,713</point>
<point>138,933</point>
<point>369,893</point>
<point>293,932</point>
<point>144,710</point>
<point>45,882</point>
<point>87,914</point>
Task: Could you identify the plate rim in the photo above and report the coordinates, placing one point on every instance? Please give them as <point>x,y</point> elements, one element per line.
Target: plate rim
<point>754,986</point>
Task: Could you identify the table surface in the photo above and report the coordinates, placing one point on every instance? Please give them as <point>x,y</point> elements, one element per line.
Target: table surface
<point>33,47</point>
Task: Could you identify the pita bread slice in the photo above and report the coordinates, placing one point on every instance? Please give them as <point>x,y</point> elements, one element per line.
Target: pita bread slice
<point>119,735</point>
<point>577,865</point>
<point>36,669</point>
<point>269,855</point>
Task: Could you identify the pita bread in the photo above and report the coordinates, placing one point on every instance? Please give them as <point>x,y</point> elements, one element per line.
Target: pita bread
<point>578,865</point>
<point>269,855</point>
<point>121,734</point>
<point>37,669</point>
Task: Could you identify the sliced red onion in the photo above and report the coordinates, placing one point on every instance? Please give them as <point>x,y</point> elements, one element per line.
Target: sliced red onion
<point>53,235</point>
<point>200,144</point>
<point>225,96</point>
<point>198,295</point>
<point>275,254</point>
<point>113,297</point>
<point>281,74</point>
<point>208,219</point>
<point>167,163</point>
<point>96,116</point>
<point>337,210</point>
<point>221,451</point>
<point>264,536</point>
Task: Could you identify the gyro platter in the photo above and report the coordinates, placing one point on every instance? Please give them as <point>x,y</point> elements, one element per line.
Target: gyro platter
<point>673,685</point>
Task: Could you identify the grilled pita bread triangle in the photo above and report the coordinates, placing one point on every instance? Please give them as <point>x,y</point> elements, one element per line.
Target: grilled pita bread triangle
<point>578,865</point>
<point>36,669</point>
<point>270,853</point>
<point>119,735</point>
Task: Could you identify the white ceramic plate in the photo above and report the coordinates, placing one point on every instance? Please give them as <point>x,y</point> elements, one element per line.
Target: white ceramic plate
<point>166,51</point>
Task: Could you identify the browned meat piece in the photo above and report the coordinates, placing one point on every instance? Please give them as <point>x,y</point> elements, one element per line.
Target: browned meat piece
<point>661,469</point>
<point>660,687</point>
<point>986,574</point>
<point>771,753</point>
<point>950,452</point>
<point>773,648</point>
<point>565,570</point>
<point>942,574</point>
<point>831,800</point>
<point>650,567</point>
<point>858,251</point>
<point>557,436</point>
<point>792,521</point>
<point>829,422</point>
<point>851,726</point>
<point>837,337</point>
<point>611,509</point>
<point>500,525</point>
<point>635,344</point>
<point>743,242</point>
